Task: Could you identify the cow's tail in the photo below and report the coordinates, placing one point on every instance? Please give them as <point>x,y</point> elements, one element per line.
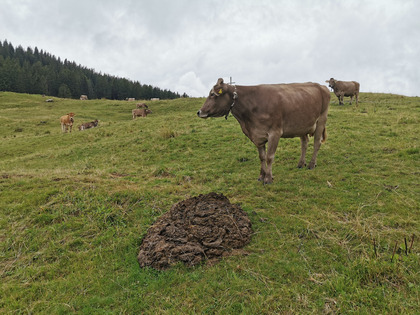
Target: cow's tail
<point>324,135</point>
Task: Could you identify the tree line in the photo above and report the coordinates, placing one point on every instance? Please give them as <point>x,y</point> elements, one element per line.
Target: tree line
<point>35,71</point>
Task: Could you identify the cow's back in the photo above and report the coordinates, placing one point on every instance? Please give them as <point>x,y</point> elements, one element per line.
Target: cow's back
<point>139,112</point>
<point>357,86</point>
<point>289,109</point>
<point>295,98</point>
<point>65,119</point>
<point>302,104</point>
<point>347,88</point>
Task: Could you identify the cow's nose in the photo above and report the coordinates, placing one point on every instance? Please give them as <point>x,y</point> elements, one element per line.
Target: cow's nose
<point>198,113</point>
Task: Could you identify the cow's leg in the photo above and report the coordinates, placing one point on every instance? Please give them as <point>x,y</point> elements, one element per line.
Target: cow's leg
<point>71,126</point>
<point>303,145</point>
<point>351,99</point>
<point>262,154</point>
<point>322,121</point>
<point>273,141</point>
<point>341,100</point>
<point>357,98</point>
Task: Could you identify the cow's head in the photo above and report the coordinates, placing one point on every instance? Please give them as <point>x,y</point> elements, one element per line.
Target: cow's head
<point>95,122</point>
<point>331,82</point>
<point>218,103</point>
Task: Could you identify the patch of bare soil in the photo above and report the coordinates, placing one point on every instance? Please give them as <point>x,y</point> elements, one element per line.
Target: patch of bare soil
<point>201,228</point>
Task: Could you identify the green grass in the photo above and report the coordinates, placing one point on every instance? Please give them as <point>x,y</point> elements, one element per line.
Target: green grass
<point>74,208</point>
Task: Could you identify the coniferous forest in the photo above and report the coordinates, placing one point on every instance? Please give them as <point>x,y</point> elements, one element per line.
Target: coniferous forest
<point>35,71</point>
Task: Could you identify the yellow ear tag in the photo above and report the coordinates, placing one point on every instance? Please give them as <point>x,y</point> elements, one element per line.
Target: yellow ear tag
<point>220,91</point>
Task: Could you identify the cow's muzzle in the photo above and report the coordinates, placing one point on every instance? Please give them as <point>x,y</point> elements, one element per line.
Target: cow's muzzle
<point>201,115</point>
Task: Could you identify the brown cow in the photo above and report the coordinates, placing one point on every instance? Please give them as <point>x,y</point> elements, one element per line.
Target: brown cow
<point>269,112</point>
<point>140,112</point>
<point>344,88</point>
<point>89,125</point>
<point>141,105</point>
<point>83,97</point>
<point>67,122</point>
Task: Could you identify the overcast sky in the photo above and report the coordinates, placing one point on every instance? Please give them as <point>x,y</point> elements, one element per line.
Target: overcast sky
<point>186,45</point>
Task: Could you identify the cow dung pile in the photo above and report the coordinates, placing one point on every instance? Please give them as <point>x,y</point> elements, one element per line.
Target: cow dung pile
<point>201,228</point>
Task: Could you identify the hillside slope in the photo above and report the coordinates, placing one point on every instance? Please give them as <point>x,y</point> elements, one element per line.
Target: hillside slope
<point>74,208</point>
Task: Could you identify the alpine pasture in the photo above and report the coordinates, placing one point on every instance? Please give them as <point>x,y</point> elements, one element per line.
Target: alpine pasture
<point>74,207</point>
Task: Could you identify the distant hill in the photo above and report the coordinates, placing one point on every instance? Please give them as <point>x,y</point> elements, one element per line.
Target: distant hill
<point>35,71</point>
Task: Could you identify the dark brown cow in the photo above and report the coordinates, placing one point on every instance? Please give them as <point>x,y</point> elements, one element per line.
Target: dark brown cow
<point>344,88</point>
<point>143,112</point>
<point>269,112</point>
<point>141,105</point>
<point>89,125</point>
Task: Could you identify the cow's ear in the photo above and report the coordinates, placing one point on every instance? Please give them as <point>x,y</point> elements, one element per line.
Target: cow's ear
<point>219,81</point>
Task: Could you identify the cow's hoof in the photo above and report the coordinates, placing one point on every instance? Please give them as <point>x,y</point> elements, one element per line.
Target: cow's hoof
<point>300,165</point>
<point>268,181</point>
<point>311,166</point>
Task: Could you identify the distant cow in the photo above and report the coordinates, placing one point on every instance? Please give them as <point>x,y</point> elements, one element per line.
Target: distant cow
<point>83,97</point>
<point>141,105</point>
<point>269,112</point>
<point>67,122</point>
<point>130,99</point>
<point>89,125</point>
<point>344,88</point>
<point>140,112</point>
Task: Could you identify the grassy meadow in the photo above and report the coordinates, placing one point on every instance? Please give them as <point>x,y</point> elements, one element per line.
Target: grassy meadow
<point>335,240</point>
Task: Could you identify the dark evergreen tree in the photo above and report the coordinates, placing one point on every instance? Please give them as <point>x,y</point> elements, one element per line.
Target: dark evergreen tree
<point>38,72</point>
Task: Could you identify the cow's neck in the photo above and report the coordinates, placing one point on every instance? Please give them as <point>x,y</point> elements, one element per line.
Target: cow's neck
<point>234,98</point>
<point>241,112</point>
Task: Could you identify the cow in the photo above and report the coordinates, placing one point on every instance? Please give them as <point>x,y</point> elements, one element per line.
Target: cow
<point>344,88</point>
<point>141,105</point>
<point>269,112</point>
<point>89,125</point>
<point>83,97</point>
<point>140,112</point>
<point>67,122</point>
<point>130,99</point>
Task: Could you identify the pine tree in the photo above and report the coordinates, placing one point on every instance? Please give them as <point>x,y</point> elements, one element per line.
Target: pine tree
<point>36,71</point>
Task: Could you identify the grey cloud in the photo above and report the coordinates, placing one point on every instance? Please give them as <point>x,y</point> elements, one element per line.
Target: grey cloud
<point>188,44</point>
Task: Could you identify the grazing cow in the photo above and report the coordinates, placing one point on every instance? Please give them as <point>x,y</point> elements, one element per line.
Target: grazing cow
<point>83,97</point>
<point>269,112</point>
<point>89,125</point>
<point>344,88</point>
<point>140,112</point>
<point>141,105</point>
<point>67,122</point>
<point>130,99</point>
